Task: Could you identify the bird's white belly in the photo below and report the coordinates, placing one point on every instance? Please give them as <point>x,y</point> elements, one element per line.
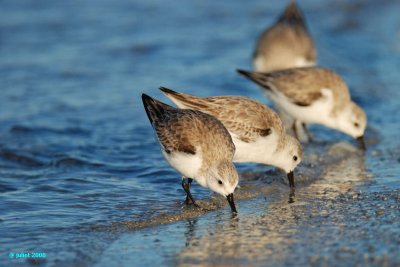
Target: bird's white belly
<point>263,65</point>
<point>259,151</point>
<point>318,112</point>
<point>259,63</point>
<point>187,164</point>
<point>303,62</point>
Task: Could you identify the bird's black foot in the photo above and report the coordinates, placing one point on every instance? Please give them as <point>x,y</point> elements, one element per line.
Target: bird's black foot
<point>186,187</point>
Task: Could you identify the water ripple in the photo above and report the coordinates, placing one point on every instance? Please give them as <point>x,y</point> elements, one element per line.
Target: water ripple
<point>69,161</point>
<point>21,129</point>
<point>23,160</point>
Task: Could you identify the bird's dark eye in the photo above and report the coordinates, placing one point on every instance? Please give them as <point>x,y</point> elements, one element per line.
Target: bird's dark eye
<point>356,124</point>
<point>295,158</point>
<point>219,181</point>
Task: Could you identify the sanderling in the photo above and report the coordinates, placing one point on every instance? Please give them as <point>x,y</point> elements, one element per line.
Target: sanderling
<point>286,44</point>
<point>314,95</point>
<point>256,130</point>
<point>197,145</point>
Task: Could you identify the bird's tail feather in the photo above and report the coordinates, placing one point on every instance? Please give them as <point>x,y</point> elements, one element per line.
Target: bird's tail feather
<point>184,100</point>
<point>154,108</point>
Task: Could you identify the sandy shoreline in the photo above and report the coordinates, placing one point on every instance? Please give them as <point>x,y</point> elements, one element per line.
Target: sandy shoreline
<point>337,219</point>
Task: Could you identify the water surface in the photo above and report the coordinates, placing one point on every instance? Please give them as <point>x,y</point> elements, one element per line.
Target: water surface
<point>82,178</point>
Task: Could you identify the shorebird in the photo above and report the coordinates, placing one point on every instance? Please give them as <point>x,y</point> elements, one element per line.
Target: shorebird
<point>313,95</point>
<point>197,145</point>
<point>256,130</point>
<point>286,44</point>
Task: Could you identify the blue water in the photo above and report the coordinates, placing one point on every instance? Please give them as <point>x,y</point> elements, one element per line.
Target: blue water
<point>77,152</point>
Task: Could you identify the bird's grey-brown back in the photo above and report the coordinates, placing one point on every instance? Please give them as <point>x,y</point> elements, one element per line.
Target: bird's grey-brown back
<point>246,118</point>
<point>197,145</point>
<point>285,44</point>
<point>303,86</point>
<point>257,131</point>
<point>313,95</point>
<point>185,131</point>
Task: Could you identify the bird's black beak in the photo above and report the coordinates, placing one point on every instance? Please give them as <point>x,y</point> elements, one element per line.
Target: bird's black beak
<point>361,142</point>
<point>231,202</point>
<point>291,179</point>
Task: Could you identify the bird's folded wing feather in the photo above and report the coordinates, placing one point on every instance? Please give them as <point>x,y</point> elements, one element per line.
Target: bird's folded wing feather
<point>303,86</point>
<point>248,120</point>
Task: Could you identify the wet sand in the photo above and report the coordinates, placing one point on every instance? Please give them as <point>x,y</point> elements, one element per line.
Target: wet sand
<point>338,218</point>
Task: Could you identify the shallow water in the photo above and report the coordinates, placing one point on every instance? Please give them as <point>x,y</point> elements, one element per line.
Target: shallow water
<point>82,178</point>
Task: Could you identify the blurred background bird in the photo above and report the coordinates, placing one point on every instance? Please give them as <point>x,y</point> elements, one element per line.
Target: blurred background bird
<point>286,44</point>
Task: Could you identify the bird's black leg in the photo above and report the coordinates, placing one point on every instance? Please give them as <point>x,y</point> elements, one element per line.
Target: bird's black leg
<point>186,187</point>
<point>292,195</point>
<point>307,132</point>
<point>294,128</point>
<point>189,181</point>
